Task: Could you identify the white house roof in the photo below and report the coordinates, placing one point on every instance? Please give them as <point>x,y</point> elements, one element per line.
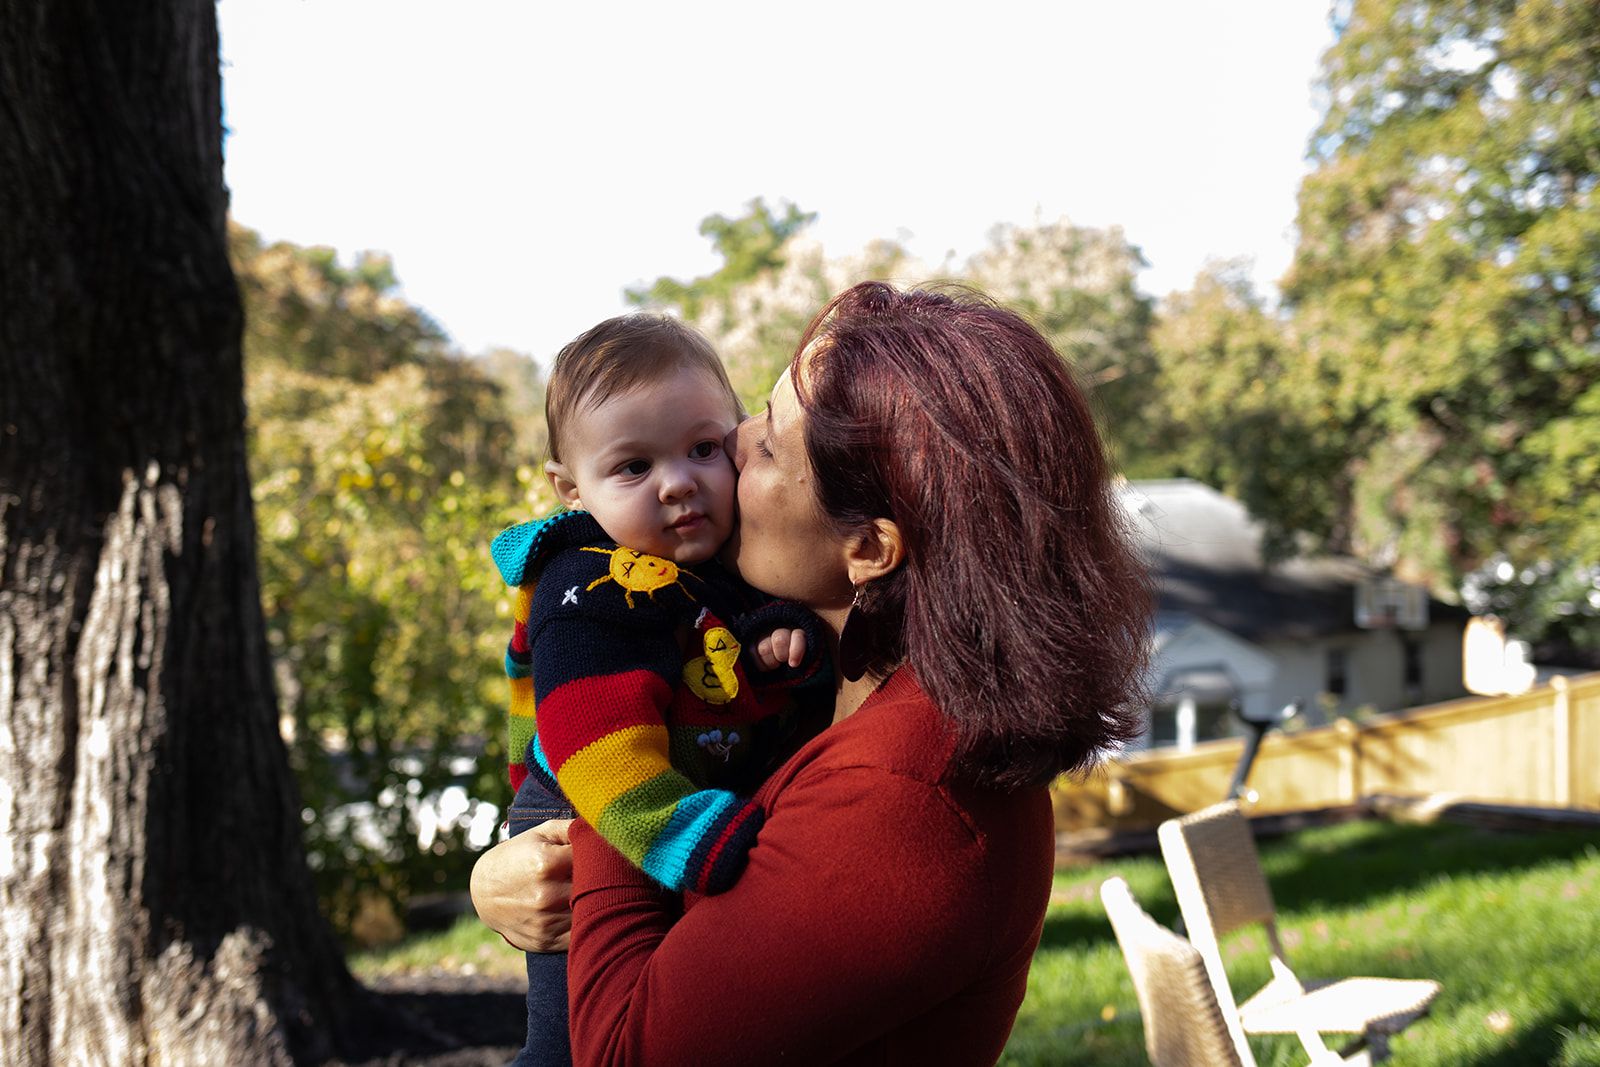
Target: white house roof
<point>1205,550</point>
<point>1188,652</point>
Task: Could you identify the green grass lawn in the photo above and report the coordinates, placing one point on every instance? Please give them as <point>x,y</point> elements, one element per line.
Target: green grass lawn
<point>1509,923</point>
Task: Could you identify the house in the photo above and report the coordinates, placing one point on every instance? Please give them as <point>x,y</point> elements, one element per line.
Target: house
<point>1236,636</point>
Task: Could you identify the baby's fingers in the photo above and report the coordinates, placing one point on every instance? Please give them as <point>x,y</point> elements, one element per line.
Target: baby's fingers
<point>767,654</point>
<point>797,648</point>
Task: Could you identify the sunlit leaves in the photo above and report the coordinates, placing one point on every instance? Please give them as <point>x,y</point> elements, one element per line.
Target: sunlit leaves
<point>1446,289</point>
<point>382,465</point>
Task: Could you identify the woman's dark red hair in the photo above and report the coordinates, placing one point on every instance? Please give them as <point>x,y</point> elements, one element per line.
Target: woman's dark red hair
<point>1022,605</point>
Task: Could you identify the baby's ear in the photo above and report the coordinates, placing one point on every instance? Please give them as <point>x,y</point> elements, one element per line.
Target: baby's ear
<point>561,481</point>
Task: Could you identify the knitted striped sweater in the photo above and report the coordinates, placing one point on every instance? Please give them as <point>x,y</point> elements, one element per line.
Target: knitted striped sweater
<point>608,706</point>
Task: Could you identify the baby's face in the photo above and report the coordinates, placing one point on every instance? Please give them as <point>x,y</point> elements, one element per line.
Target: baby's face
<point>648,464</point>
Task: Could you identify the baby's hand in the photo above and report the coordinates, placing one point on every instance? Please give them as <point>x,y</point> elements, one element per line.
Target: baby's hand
<point>781,646</point>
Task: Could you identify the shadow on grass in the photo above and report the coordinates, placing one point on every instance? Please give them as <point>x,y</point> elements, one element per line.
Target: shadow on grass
<point>1349,865</point>
<point>1074,932</point>
<point>445,1021</point>
<point>1539,1040</point>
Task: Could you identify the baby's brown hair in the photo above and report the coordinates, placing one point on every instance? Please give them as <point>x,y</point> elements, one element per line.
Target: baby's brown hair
<point>617,355</point>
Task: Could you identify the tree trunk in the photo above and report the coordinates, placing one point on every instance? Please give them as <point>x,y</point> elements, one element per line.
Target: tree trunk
<point>155,905</point>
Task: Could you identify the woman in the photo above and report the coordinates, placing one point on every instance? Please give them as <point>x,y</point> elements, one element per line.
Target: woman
<point>928,479</point>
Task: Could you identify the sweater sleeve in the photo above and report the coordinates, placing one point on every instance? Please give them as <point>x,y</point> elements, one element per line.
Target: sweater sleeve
<point>862,908</point>
<point>603,675</point>
<point>519,672</point>
<point>815,672</point>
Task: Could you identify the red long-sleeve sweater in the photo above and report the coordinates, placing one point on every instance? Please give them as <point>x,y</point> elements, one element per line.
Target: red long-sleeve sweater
<point>883,917</point>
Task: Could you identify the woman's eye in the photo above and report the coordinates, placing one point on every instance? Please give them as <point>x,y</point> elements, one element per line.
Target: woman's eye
<point>704,450</point>
<point>635,468</point>
<point>761,447</point>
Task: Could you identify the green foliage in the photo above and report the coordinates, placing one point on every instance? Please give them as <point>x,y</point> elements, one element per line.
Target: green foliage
<point>307,311</point>
<point>1224,410</point>
<point>750,245</point>
<point>521,385</point>
<point>756,306</point>
<point>381,466</point>
<point>1556,601</point>
<point>1077,285</point>
<point>1446,288</point>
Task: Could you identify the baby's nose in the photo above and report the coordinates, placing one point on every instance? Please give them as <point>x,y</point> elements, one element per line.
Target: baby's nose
<point>676,482</point>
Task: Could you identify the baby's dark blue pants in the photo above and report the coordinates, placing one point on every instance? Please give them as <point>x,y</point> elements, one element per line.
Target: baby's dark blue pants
<point>547,1043</point>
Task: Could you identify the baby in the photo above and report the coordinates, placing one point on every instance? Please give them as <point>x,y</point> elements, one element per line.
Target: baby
<point>630,701</point>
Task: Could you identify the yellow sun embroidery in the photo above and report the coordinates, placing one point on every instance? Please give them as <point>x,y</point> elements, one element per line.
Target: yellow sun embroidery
<point>638,573</point>
<point>711,677</point>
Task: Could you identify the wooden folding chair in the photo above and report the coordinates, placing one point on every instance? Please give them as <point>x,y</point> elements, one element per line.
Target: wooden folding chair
<point>1212,860</point>
<point>1183,1024</point>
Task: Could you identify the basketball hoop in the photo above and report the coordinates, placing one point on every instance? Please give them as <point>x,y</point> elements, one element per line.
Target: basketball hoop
<point>1389,604</point>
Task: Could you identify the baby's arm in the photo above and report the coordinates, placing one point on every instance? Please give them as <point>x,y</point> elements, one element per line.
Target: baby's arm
<point>603,690</point>
<point>786,646</point>
<point>519,671</point>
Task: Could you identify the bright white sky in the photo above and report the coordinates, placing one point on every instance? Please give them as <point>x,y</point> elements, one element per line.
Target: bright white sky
<point>524,161</point>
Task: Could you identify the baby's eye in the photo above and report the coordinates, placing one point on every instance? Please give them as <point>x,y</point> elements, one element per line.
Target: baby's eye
<point>634,468</point>
<point>705,450</point>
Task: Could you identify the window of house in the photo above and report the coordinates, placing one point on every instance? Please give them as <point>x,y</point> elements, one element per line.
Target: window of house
<point>1338,680</point>
<point>1214,719</point>
<point>1211,719</point>
<point>1412,676</point>
<point>1163,725</point>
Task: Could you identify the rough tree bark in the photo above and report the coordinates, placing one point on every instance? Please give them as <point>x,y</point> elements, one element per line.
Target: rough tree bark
<point>155,905</point>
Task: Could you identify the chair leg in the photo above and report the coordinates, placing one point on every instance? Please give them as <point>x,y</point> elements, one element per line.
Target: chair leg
<point>1360,1052</point>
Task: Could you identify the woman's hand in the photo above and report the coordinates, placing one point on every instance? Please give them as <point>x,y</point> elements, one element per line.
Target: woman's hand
<point>522,888</point>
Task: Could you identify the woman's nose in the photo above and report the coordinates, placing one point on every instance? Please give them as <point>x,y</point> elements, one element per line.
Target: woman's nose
<point>730,444</point>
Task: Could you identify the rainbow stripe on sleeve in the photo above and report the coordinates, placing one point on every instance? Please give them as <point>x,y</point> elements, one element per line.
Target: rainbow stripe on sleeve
<point>605,741</point>
<point>519,670</point>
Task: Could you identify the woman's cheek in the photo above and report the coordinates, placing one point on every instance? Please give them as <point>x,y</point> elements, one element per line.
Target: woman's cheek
<point>744,490</point>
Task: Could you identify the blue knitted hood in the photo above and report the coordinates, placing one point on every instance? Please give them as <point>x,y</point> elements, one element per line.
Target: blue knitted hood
<point>521,551</point>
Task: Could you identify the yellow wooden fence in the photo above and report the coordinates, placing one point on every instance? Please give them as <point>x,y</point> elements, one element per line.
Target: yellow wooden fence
<point>1539,748</point>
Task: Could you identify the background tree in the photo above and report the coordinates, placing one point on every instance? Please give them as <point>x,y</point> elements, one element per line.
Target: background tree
<point>750,245</point>
<point>154,897</point>
<point>383,465</point>
<point>1446,288</point>
<point>1228,409</point>
<point>773,279</point>
<point>1077,285</point>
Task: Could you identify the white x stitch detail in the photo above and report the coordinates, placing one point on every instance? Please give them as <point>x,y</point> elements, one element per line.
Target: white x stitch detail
<point>571,597</point>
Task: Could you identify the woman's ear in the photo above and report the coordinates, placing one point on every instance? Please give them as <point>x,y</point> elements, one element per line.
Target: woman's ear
<point>875,552</point>
<point>560,480</point>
